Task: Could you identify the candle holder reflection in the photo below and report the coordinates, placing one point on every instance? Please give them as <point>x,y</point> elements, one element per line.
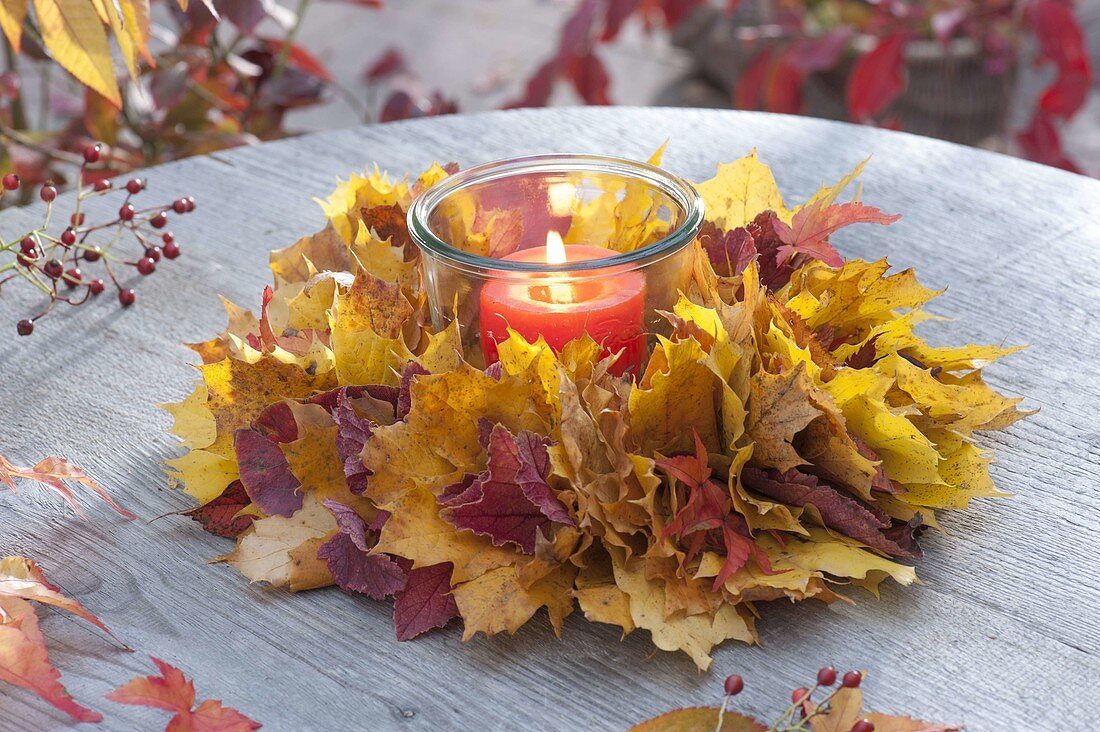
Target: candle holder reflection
<point>557,246</point>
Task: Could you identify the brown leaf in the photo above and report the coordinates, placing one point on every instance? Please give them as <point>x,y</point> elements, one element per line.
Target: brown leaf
<point>780,406</point>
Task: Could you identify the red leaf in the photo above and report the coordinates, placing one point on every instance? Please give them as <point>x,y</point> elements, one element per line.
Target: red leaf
<point>810,229</point>
<point>174,692</point>
<point>706,517</point>
<point>1042,143</point>
<point>25,662</point>
<point>265,473</point>
<point>219,516</point>
<point>617,12</point>
<point>352,434</point>
<point>839,512</point>
<point>390,62</point>
<point>347,554</point>
<point>300,57</point>
<point>53,472</point>
<point>877,78</point>
<point>589,78</point>
<point>1066,95</point>
<point>783,88</point>
<point>510,501</point>
<point>749,90</point>
<point>818,53</point>
<point>729,252</point>
<point>426,601</point>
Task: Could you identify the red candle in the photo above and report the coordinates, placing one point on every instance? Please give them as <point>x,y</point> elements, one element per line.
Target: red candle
<point>609,306</point>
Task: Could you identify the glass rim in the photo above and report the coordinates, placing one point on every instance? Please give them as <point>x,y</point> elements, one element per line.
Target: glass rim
<point>679,190</point>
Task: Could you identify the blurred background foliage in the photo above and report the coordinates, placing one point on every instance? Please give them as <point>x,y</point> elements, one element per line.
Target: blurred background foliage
<point>162,79</point>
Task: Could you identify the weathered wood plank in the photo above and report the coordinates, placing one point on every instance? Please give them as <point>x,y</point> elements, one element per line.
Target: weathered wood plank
<point>1002,635</point>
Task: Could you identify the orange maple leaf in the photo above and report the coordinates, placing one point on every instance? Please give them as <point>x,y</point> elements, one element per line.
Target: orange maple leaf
<point>174,692</point>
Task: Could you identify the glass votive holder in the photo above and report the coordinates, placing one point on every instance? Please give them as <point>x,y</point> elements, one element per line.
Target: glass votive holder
<point>557,246</point>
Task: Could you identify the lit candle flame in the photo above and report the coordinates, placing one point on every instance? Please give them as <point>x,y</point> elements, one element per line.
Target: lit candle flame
<point>555,254</point>
<point>555,248</point>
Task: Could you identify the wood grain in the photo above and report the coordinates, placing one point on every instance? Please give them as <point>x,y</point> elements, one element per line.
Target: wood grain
<point>1004,634</point>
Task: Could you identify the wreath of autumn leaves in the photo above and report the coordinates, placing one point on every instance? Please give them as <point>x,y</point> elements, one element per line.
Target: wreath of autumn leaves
<point>791,436</point>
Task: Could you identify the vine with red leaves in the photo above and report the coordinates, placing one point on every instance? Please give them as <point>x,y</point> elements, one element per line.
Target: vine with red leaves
<point>804,37</point>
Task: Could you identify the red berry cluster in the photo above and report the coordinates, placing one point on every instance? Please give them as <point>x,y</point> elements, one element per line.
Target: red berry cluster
<point>797,716</point>
<point>53,262</point>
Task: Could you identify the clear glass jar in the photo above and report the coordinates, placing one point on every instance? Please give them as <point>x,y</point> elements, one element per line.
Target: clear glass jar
<point>556,246</point>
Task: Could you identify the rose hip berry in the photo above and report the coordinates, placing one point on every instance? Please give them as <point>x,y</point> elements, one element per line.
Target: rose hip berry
<point>852,680</point>
<point>863,725</point>
<point>734,685</point>
<point>800,695</point>
<point>826,676</point>
<point>67,255</point>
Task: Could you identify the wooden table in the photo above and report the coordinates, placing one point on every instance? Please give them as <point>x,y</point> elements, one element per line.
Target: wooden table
<point>1004,634</point>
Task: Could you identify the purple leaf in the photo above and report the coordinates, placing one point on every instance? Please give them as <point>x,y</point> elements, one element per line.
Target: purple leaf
<point>265,474</point>
<point>839,512</point>
<point>510,501</point>
<point>426,602</point>
<point>353,568</point>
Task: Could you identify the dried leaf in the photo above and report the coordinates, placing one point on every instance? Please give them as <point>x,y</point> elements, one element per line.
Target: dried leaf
<point>25,662</point>
<point>426,601</point>
<point>171,691</point>
<point>54,472</point>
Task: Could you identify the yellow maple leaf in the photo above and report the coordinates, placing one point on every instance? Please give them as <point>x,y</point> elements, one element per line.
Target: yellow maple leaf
<point>695,635</point>
<point>740,191</point>
<point>497,602</point>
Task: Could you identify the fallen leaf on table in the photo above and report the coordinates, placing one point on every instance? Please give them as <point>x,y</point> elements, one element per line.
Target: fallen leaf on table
<point>25,662</point>
<point>54,472</point>
<point>22,577</point>
<point>171,691</point>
